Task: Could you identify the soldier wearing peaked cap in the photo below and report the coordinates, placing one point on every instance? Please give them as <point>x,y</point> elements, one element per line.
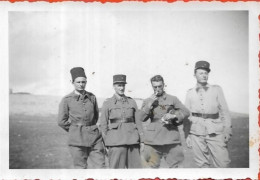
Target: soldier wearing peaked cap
<point>78,115</point>
<point>209,127</point>
<point>161,135</point>
<point>121,129</point>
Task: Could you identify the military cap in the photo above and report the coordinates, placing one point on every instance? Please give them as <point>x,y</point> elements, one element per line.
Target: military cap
<point>77,72</point>
<point>202,65</point>
<point>119,78</point>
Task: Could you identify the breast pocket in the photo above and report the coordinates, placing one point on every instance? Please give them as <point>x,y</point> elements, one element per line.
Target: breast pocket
<point>130,112</point>
<point>115,113</point>
<point>162,109</point>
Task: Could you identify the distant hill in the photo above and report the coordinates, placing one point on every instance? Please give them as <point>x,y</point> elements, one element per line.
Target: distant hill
<point>237,115</point>
<point>48,105</point>
<point>22,93</point>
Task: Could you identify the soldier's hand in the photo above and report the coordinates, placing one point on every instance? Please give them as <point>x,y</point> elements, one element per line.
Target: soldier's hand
<point>188,141</point>
<point>154,97</point>
<point>167,118</point>
<point>227,137</point>
<point>152,100</point>
<point>227,134</point>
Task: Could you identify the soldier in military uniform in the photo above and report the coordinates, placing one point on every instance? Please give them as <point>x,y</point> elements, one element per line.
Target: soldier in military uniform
<point>161,135</point>
<point>78,115</point>
<point>210,122</point>
<point>121,130</point>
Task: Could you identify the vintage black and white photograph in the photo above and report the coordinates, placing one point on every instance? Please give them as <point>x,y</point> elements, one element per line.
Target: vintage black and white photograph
<point>119,88</point>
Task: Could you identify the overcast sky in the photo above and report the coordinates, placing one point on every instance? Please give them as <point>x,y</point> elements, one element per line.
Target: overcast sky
<point>44,46</point>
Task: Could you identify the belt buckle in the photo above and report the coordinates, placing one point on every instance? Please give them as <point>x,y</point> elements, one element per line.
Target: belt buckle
<point>204,116</point>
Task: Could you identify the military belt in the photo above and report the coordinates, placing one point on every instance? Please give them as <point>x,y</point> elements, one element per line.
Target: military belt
<point>206,116</point>
<point>82,124</point>
<point>126,120</point>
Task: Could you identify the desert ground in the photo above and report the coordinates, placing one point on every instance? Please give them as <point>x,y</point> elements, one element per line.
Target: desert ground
<point>36,141</point>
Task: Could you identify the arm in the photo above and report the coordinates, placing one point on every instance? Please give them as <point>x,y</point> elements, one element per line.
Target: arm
<point>96,110</point>
<point>138,121</point>
<point>224,112</point>
<point>176,114</point>
<point>146,110</point>
<point>186,122</point>
<point>181,111</point>
<point>187,101</point>
<point>104,119</point>
<point>63,116</point>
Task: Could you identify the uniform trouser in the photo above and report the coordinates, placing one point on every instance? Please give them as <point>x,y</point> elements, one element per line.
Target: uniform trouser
<point>152,154</point>
<point>210,145</point>
<point>126,156</point>
<point>88,157</point>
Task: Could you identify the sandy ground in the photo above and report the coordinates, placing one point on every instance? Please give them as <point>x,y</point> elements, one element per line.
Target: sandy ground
<point>36,141</point>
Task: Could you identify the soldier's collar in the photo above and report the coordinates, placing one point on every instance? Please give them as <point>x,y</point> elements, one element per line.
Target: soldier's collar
<point>77,95</point>
<point>163,96</point>
<point>198,87</point>
<point>119,98</point>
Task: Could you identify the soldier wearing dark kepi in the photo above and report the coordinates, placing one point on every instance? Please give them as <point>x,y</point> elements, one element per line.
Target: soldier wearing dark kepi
<point>78,115</point>
<point>209,125</point>
<point>121,130</point>
<point>161,135</point>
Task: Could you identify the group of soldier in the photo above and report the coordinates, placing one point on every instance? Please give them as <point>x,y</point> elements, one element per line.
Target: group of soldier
<point>121,134</point>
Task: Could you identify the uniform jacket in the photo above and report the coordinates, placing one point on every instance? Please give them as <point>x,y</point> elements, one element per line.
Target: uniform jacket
<point>120,133</point>
<point>208,100</point>
<point>78,115</point>
<point>157,133</point>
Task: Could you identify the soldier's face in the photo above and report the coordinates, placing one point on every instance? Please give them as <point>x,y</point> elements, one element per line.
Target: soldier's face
<point>119,88</point>
<point>158,87</point>
<point>80,83</point>
<point>202,76</point>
